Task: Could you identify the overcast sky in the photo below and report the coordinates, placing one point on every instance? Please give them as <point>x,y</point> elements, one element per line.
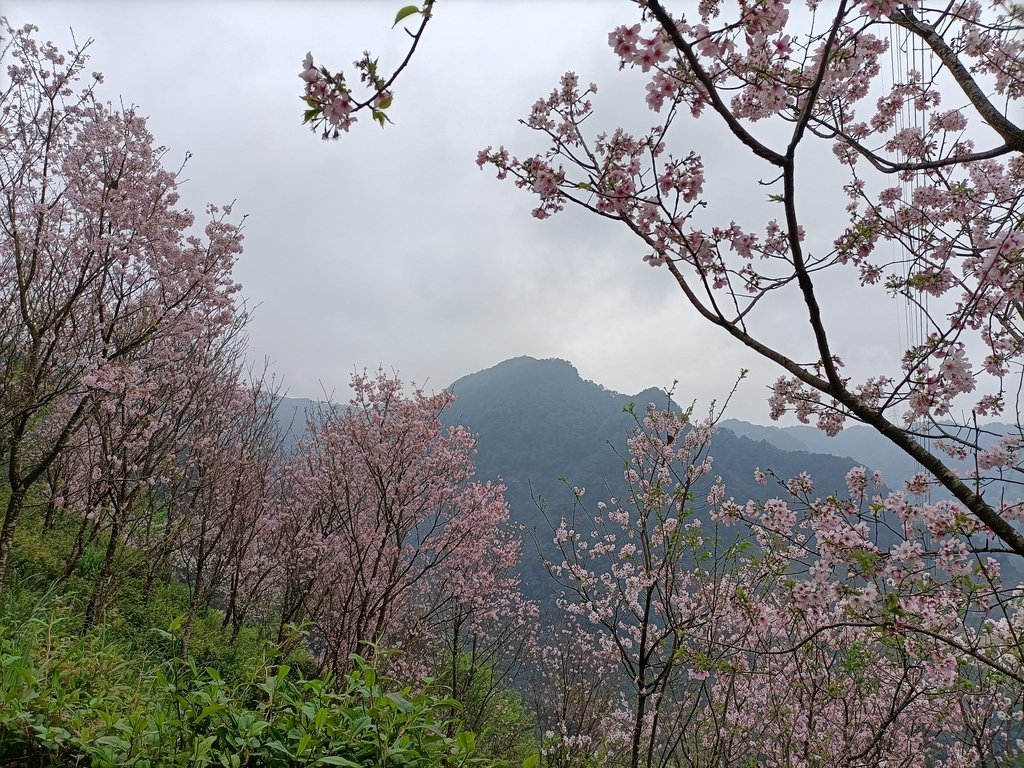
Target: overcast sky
<point>391,247</point>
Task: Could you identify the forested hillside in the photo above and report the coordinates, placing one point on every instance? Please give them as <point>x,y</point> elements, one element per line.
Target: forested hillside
<point>544,430</point>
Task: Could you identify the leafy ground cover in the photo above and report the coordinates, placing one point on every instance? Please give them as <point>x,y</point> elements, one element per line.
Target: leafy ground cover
<point>117,694</point>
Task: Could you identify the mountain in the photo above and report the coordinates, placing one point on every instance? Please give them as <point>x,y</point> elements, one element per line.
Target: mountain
<point>537,421</point>
<point>291,416</point>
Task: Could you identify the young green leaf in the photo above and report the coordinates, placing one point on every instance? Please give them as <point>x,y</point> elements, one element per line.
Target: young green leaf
<point>405,13</point>
<point>466,741</point>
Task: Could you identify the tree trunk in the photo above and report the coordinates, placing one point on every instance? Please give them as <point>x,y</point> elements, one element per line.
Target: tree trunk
<point>14,506</point>
<point>96,599</point>
<point>76,551</point>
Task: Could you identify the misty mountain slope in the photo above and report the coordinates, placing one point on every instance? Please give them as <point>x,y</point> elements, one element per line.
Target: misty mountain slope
<point>859,443</point>
<point>538,420</point>
<point>291,415</point>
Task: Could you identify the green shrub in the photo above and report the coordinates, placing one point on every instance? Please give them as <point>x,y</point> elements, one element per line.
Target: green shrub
<point>82,699</point>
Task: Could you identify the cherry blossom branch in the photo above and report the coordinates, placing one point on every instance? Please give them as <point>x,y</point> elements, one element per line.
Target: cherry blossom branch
<point>899,629</point>
<point>328,98</point>
<point>669,27</point>
<point>1012,134</point>
<point>889,166</point>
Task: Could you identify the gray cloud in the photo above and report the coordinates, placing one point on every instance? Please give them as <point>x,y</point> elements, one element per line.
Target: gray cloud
<point>391,247</point>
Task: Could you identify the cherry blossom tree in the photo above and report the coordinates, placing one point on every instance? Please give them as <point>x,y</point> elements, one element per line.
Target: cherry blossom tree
<point>932,165</point>
<point>954,231</point>
<point>386,539</point>
<point>231,464</point>
<point>99,268</point>
<point>644,572</point>
<point>883,638</point>
<point>143,433</point>
<point>581,711</point>
<point>804,630</point>
<point>487,634</point>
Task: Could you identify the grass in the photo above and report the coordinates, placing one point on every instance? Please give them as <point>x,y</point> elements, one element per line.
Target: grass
<point>117,695</point>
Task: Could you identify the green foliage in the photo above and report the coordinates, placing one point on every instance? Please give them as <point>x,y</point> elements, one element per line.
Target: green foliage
<point>84,699</point>
<point>134,609</point>
<point>116,695</point>
<point>503,723</point>
<point>404,13</point>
